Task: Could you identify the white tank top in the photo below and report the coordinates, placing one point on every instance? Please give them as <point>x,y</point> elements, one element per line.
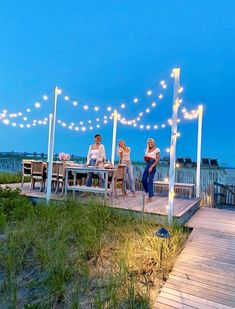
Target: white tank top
<point>95,153</point>
<point>152,154</point>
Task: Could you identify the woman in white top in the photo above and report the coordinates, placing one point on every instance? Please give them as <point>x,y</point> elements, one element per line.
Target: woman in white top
<point>152,157</point>
<point>96,157</point>
<point>124,154</point>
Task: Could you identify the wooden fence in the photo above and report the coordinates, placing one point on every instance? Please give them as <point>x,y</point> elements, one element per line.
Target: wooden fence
<point>11,161</point>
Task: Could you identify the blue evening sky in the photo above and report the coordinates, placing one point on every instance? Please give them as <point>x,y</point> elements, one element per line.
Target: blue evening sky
<point>108,52</point>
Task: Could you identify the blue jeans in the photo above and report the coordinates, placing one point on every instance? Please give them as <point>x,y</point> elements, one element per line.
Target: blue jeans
<point>147,179</point>
<point>130,176</point>
<point>89,177</point>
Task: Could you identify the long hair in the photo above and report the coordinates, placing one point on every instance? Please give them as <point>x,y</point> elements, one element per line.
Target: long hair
<point>118,148</point>
<point>148,140</point>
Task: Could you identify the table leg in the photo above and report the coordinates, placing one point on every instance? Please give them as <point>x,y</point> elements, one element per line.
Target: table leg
<point>66,184</point>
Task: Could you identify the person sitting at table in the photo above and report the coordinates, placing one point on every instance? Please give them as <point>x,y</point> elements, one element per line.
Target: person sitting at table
<point>124,154</point>
<point>152,158</point>
<point>96,157</point>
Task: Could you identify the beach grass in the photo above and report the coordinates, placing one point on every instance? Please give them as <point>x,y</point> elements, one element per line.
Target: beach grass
<point>7,178</point>
<point>70,255</point>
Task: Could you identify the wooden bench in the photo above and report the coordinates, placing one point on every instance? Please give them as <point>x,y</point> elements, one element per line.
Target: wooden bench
<point>181,189</point>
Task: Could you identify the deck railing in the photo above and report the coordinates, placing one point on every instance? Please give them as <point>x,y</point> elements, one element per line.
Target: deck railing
<point>224,194</point>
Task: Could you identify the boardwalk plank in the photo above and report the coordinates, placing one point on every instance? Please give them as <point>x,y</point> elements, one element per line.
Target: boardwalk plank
<point>204,274</point>
<point>197,299</point>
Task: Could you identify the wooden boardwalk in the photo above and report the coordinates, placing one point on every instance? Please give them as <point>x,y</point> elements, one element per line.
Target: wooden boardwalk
<point>156,209</point>
<point>204,273</point>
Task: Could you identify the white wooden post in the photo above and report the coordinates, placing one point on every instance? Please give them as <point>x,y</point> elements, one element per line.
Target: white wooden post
<point>176,72</point>
<point>199,144</point>
<point>51,146</point>
<point>115,118</point>
<point>49,137</point>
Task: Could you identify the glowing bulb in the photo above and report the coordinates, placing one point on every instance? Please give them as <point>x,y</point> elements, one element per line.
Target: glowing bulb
<point>21,126</point>
<point>123,106</point>
<point>25,118</point>
<point>105,121</point>
<point>184,110</point>
<point>136,100</point>
<point>178,134</point>
<point>147,110</point>
<point>153,104</point>
<point>96,108</point>
<point>59,91</point>
<point>141,126</point>
<point>45,97</point>
<point>97,119</point>
<point>4,111</point>
<point>14,124</point>
<point>160,96</point>
<point>59,121</point>
<point>162,82</point>
<point>66,98</point>
<point>83,129</point>
<point>70,127</point>
<point>6,121</point>
<point>155,127</point>
<point>75,103</point>
<point>85,107</point>
<point>19,114</point>
<point>177,165</point>
<point>28,110</point>
<point>97,126</point>
<point>166,179</point>
<point>164,86</point>
<point>37,105</point>
<point>89,121</point>
<point>172,74</point>
<point>63,124</point>
<point>168,150</point>
<point>109,109</point>
<point>140,114</point>
<point>81,123</point>
<point>28,125</point>
<point>76,128</point>
<point>91,128</point>
<point>180,90</point>
<point>163,125</point>
<point>148,127</point>
<point>149,92</point>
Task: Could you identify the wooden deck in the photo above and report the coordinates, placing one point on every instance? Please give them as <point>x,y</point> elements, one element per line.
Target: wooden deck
<point>204,273</point>
<point>156,209</point>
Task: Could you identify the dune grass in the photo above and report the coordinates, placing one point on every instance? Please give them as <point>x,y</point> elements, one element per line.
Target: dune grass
<point>6,177</point>
<point>80,256</point>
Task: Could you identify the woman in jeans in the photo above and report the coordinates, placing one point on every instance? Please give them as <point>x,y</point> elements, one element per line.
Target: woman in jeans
<point>124,154</point>
<point>152,157</point>
<point>96,157</point>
